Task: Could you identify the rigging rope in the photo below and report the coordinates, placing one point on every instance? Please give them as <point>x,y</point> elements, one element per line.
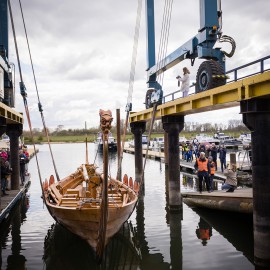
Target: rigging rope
<point>164,37</point>
<point>37,92</point>
<point>23,93</point>
<point>165,30</point>
<point>148,142</point>
<point>131,82</point>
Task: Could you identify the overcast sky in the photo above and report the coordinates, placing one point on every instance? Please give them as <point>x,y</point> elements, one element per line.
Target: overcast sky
<point>82,54</point>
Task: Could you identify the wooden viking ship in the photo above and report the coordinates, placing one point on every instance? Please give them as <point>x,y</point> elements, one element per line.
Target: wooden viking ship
<point>91,204</point>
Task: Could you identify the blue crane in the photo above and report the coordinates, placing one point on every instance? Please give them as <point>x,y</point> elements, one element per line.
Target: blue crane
<point>211,73</point>
<point>6,81</point>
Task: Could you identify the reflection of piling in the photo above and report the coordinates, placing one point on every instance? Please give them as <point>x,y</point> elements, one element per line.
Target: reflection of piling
<point>176,246</point>
<point>16,260</point>
<point>256,116</point>
<point>173,219</point>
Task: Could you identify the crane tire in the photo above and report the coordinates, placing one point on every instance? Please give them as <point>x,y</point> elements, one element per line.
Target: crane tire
<point>148,95</point>
<point>204,77</point>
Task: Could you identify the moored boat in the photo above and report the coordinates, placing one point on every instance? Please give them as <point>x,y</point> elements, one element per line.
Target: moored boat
<point>112,143</point>
<point>227,140</point>
<point>246,140</point>
<point>158,144</point>
<point>91,204</point>
<point>144,143</point>
<point>205,139</point>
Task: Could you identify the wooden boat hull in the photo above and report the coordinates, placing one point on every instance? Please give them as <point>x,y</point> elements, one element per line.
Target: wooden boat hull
<point>76,202</point>
<point>85,222</point>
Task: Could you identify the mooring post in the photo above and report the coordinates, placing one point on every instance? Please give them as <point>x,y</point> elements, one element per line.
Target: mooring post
<point>232,158</point>
<point>256,116</point>
<point>119,150</point>
<point>172,126</point>
<point>138,128</point>
<point>14,131</point>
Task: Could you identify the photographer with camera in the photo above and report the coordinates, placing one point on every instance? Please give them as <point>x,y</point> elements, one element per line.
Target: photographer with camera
<point>185,82</point>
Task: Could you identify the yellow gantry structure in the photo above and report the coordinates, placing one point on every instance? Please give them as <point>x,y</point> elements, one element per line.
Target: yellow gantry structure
<point>11,116</point>
<point>229,95</point>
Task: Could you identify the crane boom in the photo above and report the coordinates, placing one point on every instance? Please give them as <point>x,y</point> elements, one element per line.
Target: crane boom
<point>200,46</point>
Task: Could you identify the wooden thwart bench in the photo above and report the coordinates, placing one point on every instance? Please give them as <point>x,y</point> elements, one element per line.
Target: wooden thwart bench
<point>69,183</point>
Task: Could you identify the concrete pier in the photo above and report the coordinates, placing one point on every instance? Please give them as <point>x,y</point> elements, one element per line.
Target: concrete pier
<point>14,131</point>
<point>256,116</point>
<point>138,129</point>
<point>172,125</point>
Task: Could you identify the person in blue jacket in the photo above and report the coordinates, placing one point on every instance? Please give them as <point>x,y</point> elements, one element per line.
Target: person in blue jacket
<point>222,157</point>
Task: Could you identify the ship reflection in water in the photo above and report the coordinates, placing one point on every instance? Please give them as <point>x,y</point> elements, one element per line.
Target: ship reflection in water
<point>12,225</point>
<point>129,249</point>
<point>64,250</point>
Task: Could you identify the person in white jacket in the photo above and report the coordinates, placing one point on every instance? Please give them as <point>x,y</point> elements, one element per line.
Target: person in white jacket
<point>185,82</point>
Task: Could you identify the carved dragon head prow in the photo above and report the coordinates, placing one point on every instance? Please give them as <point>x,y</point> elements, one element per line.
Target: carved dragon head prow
<point>105,122</point>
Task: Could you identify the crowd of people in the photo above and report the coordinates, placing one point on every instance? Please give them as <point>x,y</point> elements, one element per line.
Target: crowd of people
<point>193,150</point>
<point>206,155</point>
<point>206,165</point>
<point>6,170</point>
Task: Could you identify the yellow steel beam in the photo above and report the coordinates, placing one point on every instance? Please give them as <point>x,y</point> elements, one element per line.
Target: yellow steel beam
<point>229,95</point>
<point>11,116</point>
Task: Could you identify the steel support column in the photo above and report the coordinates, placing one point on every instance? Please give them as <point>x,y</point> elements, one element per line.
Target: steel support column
<point>138,129</point>
<point>14,131</point>
<point>150,39</point>
<point>2,131</point>
<point>3,125</point>
<point>4,29</point>
<point>256,116</point>
<point>172,126</point>
<point>166,149</point>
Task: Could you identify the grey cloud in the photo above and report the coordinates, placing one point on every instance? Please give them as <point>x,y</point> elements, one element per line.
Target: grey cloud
<point>83,48</point>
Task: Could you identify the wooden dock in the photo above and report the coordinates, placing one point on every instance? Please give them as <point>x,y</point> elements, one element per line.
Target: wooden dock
<point>157,155</point>
<point>241,200</point>
<point>184,165</point>
<point>8,202</point>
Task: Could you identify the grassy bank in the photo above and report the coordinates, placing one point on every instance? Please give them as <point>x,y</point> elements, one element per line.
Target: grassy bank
<point>92,137</point>
<point>65,139</point>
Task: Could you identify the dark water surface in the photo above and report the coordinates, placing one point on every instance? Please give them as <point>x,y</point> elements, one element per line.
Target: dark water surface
<point>153,238</point>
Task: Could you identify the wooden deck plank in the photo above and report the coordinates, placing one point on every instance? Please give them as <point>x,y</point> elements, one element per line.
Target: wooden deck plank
<point>241,200</point>
<point>7,202</point>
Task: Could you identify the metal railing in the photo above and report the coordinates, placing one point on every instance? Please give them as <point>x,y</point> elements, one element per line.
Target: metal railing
<point>235,71</point>
<point>259,61</point>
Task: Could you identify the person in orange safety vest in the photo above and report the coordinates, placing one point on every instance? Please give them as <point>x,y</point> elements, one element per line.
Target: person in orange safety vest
<point>203,231</point>
<point>203,168</point>
<point>212,173</point>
